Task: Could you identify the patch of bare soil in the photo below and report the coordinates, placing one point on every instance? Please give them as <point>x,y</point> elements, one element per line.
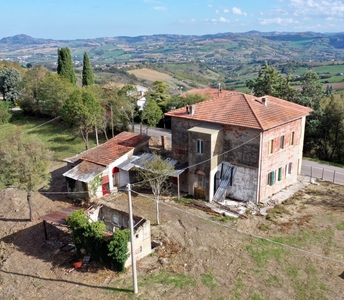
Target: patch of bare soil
<point>202,256</point>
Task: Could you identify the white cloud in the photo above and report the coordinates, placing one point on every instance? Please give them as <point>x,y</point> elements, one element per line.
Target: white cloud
<point>318,7</point>
<point>278,21</point>
<point>210,5</point>
<point>226,11</point>
<point>160,8</point>
<point>237,11</point>
<point>217,11</point>
<point>224,20</point>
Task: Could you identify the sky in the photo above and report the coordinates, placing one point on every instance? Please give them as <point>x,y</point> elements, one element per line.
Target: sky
<point>82,19</point>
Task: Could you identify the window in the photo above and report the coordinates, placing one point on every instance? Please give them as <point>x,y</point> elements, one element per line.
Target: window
<point>199,146</point>
<point>271,146</point>
<point>292,138</point>
<point>282,142</point>
<point>279,178</point>
<point>288,169</point>
<point>271,178</point>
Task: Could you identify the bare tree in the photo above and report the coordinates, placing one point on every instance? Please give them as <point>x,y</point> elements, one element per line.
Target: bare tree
<point>156,172</point>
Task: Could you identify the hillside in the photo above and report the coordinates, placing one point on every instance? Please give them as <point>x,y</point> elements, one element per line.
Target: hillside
<point>191,60</point>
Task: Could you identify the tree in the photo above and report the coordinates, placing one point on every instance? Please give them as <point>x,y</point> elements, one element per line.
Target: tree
<point>43,93</point>
<point>65,67</point>
<point>9,80</point>
<point>312,91</point>
<point>156,172</point>
<point>24,164</point>
<point>271,82</point>
<point>160,91</point>
<point>87,73</point>
<point>5,114</point>
<point>329,145</point>
<point>127,97</point>
<point>30,89</point>
<point>151,113</point>
<point>82,111</point>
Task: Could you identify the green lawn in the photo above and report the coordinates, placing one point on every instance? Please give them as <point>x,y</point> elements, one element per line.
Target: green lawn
<point>63,141</point>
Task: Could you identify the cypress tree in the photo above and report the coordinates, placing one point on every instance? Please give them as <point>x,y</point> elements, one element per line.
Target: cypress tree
<point>87,73</point>
<point>65,66</point>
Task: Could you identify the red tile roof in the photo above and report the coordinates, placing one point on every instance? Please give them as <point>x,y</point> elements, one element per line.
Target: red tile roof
<point>235,108</point>
<point>113,148</point>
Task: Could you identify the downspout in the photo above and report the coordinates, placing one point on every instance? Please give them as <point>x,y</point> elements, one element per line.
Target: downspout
<point>259,167</point>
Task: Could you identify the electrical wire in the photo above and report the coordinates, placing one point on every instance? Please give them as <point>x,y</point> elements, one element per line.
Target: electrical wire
<point>244,232</point>
<point>32,128</point>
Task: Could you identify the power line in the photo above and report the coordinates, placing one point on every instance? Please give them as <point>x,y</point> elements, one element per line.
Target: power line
<point>32,128</point>
<point>244,232</point>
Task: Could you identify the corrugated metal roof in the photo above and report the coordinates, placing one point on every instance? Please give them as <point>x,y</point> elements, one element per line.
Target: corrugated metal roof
<point>59,217</point>
<point>139,161</point>
<point>84,171</point>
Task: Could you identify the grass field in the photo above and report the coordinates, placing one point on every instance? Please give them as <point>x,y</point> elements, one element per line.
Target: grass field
<point>151,75</point>
<point>63,141</point>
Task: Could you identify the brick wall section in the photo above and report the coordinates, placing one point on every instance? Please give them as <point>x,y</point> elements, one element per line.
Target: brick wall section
<point>280,157</point>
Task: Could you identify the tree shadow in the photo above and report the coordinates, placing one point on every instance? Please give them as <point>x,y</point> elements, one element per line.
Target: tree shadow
<point>31,241</point>
<point>68,281</point>
<point>58,187</point>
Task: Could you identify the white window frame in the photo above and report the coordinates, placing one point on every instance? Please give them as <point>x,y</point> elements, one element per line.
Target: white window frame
<point>199,146</point>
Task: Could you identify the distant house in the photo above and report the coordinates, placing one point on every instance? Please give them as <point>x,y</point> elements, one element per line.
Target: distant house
<point>238,145</point>
<point>95,172</point>
<point>142,96</point>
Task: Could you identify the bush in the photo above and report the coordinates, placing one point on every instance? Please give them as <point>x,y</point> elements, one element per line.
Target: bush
<point>91,237</point>
<point>118,249</point>
<point>5,114</point>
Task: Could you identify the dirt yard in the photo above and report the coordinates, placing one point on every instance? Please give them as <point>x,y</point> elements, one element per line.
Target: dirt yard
<point>204,256</point>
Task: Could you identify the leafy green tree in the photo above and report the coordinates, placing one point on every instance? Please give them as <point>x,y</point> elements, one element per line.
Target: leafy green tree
<point>271,82</point>
<point>65,67</point>
<point>24,164</point>
<point>312,91</point>
<point>54,92</point>
<point>330,141</point>
<point>151,113</point>
<point>127,97</point>
<point>87,73</point>
<point>9,80</point>
<point>160,91</point>
<point>30,89</point>
<point>5,114</point>
<point>156,172</point>
<point>82,111</point>
<point>181,101</point>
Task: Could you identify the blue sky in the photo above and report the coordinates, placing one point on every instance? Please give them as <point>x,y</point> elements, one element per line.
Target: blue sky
<point>79,19</point>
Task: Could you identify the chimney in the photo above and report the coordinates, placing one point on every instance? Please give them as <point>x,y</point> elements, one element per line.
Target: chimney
<point>192,109</point>
<point>265,101</point>
<point>219,89</point>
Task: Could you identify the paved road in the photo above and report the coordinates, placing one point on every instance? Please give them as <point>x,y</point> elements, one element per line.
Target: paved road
<point>326,172</point>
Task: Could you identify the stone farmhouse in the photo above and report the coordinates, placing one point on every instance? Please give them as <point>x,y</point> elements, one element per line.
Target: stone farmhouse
<point>237,145</point>
<point>95,172</point>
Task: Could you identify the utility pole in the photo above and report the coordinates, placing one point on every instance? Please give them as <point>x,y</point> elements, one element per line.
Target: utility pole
<point>131,225</point>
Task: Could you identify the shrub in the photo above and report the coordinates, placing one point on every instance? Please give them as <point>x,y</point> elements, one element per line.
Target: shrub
<point>118,249</point>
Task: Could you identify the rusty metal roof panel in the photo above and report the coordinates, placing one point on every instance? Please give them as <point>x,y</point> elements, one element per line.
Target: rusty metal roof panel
<point>59,217</point>
<point>85,171</point>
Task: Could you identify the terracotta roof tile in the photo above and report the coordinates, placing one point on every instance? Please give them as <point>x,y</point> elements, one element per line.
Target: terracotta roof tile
<point>114,148</point>
<point>235,108</point>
